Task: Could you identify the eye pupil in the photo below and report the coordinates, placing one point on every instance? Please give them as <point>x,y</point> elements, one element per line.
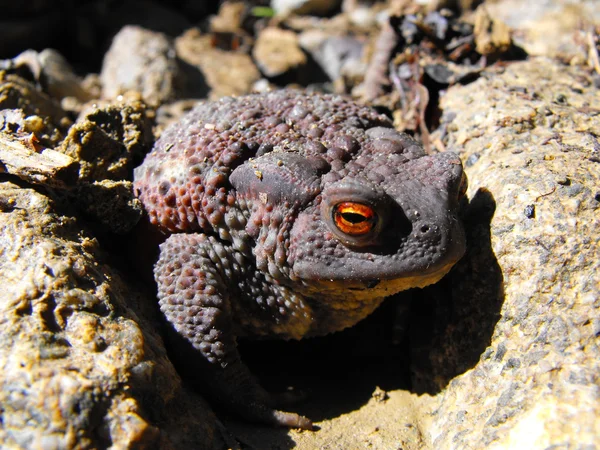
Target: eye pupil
<point>354,218</point>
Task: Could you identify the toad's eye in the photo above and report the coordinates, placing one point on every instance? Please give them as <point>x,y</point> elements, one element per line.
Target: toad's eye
<point>354,219</point>
<point>356,213</point>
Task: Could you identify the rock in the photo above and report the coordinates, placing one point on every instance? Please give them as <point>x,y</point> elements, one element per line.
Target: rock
<point>82,363</point>
<point>309,7</point>
<point>41,114</point>
<point>109,140</point>
<point>218,72</point>
<point>51,71</point>
<point>492,37</point>
<point>83,366</point>
<point>230,18</point>
<point>107,205</point>
<point>338,56</point>
<point>515,354</point>
<point>365,14</point>
<point>277,52</point>
<point>143,61</point>
<point>533,22</point>
<point>90,166</point>
<point>22,155</point>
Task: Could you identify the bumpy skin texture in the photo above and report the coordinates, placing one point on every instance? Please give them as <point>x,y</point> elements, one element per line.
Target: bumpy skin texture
<point>251,188</point>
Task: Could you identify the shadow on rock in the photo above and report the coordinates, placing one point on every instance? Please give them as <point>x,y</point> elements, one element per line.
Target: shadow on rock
<point>452,322</point>
<point>195,85</point>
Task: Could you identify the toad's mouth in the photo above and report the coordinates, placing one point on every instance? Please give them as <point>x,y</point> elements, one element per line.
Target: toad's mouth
<point>370,284</point>
<point>368,289</point>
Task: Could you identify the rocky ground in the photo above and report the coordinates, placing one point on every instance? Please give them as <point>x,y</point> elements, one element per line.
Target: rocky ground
<point>503,353</point>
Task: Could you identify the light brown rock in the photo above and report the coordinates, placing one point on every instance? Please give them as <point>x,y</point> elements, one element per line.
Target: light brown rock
<point>529,301</point>
<point>491,36</point>
<point>21,155</point>
<point>533,23</point>
<point>222,73</point>
<point>277,52</point>
<point>108,139</point>
<point>82,364</point>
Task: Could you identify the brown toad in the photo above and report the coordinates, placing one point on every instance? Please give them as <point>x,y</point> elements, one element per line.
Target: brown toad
<point>292,215</point>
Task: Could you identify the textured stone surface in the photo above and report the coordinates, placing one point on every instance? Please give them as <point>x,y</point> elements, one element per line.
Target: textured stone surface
<point>82,364</point>
<point>527,295</point>
<point>108,140</point>
<point>277,52</point>
<point>222,72</point>
<point>143,61</point>
<point>533,22</point>
<point>338,56</point>
<point>107,205</point>
<point>50,119</point>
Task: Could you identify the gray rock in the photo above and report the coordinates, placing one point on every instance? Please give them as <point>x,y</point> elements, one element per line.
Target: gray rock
<point>143,61</point>
<point>338,56</point>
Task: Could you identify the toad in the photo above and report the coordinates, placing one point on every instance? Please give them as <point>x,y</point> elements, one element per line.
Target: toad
<point>289,215</point>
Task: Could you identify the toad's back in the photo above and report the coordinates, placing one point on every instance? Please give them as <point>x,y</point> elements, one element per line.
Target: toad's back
<point>183,182</point>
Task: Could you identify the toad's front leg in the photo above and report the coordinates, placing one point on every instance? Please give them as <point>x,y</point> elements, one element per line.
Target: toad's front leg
<point>193,296</point>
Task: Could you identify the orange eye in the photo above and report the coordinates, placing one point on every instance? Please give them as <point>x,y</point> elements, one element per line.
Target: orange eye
<point>353,218</point>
